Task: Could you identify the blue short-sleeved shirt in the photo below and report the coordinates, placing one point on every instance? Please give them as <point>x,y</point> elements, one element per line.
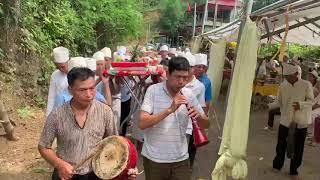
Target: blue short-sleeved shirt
<point>65,96</point>
<point>99,88</point>
<point>207,84</point>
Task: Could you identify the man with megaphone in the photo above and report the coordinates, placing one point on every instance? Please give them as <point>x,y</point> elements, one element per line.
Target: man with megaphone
<point>165,113</point>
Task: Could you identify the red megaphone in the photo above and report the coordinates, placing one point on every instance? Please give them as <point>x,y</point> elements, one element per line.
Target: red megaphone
<point>199,136</point>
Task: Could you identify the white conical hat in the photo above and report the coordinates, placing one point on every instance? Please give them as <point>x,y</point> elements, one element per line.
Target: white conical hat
<point>201,59</point>
<point>289,69</point>
<point>315,74</point>
<point>164,48</point>
<point>191,58</point>
<point>107,52</point>
<point>60,55</point>
<point>98,56</point>
<point>76,62</point>
<point>91,63</point>
<point>172,50</point>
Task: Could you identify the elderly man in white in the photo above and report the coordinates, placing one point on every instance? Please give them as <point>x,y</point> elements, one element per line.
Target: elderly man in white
<point>163,52</point>
<point>172,52</point>
<point>295,98</point>
<point>58,80</point>
<point>100,63</point>
<point>107,57</point>
<point>76,62</point>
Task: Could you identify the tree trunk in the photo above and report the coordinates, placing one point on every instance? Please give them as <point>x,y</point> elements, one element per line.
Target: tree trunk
<point>101,35</point>
<point>9,32</point>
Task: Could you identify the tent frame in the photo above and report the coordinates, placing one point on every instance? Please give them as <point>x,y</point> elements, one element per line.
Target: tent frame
<point>281,8</point>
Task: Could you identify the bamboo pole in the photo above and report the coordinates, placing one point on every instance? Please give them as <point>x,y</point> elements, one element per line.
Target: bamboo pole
<point>194,20</point>
<point>215,15</point>
<point>204,17</point>
<point>247,12</point>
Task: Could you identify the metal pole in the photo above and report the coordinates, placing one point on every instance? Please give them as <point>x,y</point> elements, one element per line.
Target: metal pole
<point>204,16</point>
<point>235,9</point>
<point>215,15</point>
<point>147,34</point>
<point>194,20</point>
<point>247,12</point>
<point>273,6</point>
<point>132,93</point>
<point>223,27</point>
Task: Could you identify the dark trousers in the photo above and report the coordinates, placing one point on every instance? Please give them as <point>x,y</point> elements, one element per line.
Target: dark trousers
<point>299,139</point>
<point>167,171</point>
<point>272,113</point>
<point>125,110</point>
<point>192,150</point>
<point>89,176</point>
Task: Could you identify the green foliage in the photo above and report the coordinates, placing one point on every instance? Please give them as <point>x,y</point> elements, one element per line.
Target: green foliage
<point>25,112</point>
<point>40,101</point>
<point>113,21</point>
<point>80,25</point>
<point>45,72</point>
<point>268,50</point>
<point>308,53</point>
<point>173,16</point>
<point>9,13</point>
<point>47,24</point>
<point>151,4</point>
<point>197,1</point>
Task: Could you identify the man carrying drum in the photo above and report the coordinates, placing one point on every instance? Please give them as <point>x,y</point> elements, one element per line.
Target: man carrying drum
<point>78,126</point>
<point>164,118</point>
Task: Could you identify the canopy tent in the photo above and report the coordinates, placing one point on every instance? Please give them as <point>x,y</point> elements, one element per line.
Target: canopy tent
<point>301,35</point>
<point>304,23</point>
<point>223,5</point>
<point>271,23</point>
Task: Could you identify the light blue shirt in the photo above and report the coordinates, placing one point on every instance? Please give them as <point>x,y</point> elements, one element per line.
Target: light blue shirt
<point>65,96</point>
<point>207,84</point>
<point>125,92</point>
<point>99,88</point>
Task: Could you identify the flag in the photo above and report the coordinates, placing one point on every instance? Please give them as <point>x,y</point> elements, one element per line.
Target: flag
<point>189,8</point>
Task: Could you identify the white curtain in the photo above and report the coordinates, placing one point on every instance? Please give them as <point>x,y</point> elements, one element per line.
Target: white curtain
<point>216,65</point>
<point>235,133</point>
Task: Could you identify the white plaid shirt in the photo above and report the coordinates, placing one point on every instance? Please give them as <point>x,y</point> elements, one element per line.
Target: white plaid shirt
<point>166,141</point>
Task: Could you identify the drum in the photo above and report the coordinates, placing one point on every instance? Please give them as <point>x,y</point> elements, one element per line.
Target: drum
<point>115,158</point>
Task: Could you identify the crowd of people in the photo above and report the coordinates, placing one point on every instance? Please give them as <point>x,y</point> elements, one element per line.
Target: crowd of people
<point>85,106</point>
